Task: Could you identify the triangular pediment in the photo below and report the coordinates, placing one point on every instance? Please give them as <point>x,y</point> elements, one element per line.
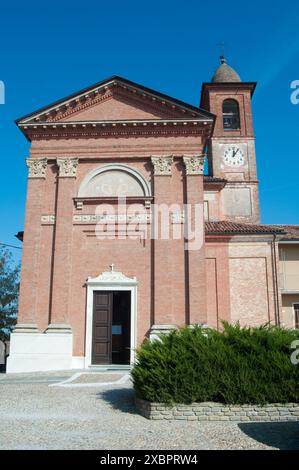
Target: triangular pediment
<point>115,106</point>
<point>115,99</point>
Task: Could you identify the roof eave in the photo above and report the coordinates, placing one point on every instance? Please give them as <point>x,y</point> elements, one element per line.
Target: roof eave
<point>205,125</point>
<point>218,185</point>
<point>107,81</point>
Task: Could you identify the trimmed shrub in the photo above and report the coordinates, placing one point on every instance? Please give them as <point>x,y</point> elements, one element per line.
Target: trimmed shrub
<point>234,366</point>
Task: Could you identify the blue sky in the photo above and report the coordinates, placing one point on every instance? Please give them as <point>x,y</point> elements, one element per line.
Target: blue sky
<point>51,49</point>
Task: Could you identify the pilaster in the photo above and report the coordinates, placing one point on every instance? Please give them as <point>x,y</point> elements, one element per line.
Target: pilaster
<point>195,269</point>
<point>59,314</point>
<point>163,286</point>
<point>27,316</point>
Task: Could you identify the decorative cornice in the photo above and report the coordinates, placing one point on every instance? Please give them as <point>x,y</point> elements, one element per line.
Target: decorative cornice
<point>117,92</point>
<point>131,128</point>
<point>123,90</point>
<point>194,164</point>
<point>78,105</point>
<point>67,167</point>
<point>37,167</point>
<point>162,164</point>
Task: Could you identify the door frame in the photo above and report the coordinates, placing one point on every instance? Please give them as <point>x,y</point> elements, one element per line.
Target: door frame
<point>110,281</point>
<point>294,313</point>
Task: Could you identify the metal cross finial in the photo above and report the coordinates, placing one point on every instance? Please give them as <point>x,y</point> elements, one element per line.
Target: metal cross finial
<point>222,56</point>
<point>111,267</point>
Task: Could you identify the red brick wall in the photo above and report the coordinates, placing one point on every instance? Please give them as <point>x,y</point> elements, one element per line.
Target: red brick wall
<point>69,253</point>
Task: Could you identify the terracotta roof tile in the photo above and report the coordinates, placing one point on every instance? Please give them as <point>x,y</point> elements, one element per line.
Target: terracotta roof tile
<point>289,232</point>
<point>225,74</point>
<point>213,179</point>
<point>292,231</point>
<point>226,227</point>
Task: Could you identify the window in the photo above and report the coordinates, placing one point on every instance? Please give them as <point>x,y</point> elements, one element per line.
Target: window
<point>296,315</point>
<point>206,211</point>
<point>231,115</point>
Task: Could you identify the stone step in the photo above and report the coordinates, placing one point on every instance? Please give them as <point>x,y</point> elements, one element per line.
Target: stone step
<point>110,367</point>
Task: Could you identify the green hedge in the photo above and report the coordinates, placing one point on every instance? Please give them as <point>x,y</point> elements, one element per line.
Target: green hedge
<point>236,366</point>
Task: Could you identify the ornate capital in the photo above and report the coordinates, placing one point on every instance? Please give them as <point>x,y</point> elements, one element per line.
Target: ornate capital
<point>67,167</point>
<point>162,165</point>
<point>37,167</point>
<point>194,164</point>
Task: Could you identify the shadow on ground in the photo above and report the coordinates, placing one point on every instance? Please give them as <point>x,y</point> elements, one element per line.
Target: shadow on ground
<point>283,435</point>
<point>122,399</point>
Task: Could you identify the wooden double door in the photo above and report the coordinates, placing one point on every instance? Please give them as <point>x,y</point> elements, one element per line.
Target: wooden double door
<point>111,327</point>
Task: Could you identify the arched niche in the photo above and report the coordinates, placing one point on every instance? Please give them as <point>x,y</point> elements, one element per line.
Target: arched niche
<point>112,181</point>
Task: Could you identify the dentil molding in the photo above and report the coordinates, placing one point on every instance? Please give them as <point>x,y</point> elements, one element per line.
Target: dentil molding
<point>162,165</point>
<point>37,167</point>
<point>67,167</point>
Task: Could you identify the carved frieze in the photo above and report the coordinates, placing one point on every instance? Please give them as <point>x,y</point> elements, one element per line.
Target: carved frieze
<point>37,167</point>
<point>48,219</point>
<point>194,164</point>
<point>162,165</point>
<point>67,167</point>
<point>111,218</point>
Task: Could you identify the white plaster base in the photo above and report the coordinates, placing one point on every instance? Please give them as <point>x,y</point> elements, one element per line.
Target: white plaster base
<point>78,362</point>
<point>36,352</point>
<point>157,330</point>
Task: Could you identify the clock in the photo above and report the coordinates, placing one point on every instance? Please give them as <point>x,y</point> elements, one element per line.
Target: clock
<point>233,156</point>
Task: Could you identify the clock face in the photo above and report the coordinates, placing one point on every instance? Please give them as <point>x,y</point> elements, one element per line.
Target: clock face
<point>233,156</point>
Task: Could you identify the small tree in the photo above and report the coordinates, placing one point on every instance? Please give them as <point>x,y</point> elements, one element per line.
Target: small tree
<point>9,289</point>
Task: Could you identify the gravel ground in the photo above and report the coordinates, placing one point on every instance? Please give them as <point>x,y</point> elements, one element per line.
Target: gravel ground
<point>36,416</point>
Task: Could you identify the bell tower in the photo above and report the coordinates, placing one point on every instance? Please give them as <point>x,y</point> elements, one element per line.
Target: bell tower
<point>231,149</point>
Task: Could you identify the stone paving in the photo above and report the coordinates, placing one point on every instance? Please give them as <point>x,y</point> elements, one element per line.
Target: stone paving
<point>36,414</point>
<point>97,378</point>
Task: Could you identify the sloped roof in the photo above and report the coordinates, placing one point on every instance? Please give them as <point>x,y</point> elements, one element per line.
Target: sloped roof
<point>213,179</point>
<point>211,182</point>
<point>226,227</point>
<point>225,74</point>
<point>41,113</point>
<point>289,232</point>
<point>292,231</point>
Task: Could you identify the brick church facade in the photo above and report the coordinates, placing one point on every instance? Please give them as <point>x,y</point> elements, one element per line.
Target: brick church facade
<point>97,275</point>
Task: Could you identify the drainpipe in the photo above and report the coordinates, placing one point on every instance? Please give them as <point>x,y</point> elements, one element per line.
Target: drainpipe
<point>275,282</point>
